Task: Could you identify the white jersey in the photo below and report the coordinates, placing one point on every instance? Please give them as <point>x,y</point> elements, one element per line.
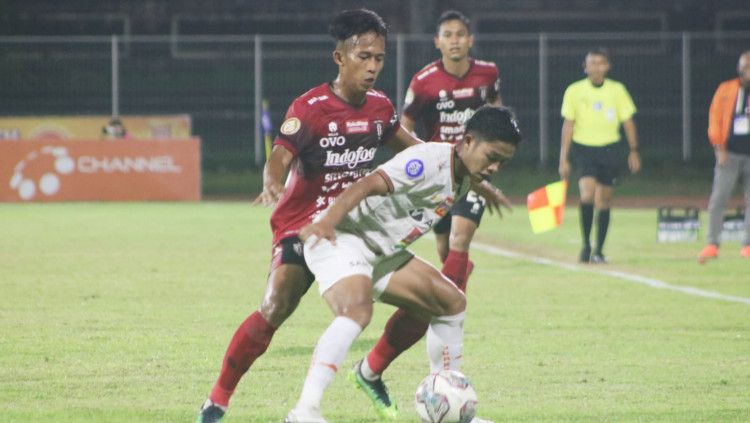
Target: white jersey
<point>422,191</point>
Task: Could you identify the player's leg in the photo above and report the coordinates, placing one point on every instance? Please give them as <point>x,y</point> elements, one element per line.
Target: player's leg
<point>343,273</point>
<point>401,332</point>
<point>603,204</point>
<point>442,231</point>
<point>467,214</point>
<point>422,290</point>
<point>584,161</point>
<point>725,177</point>
<point>287,282</point>
<point>609,162</point>
<point>587,192</point>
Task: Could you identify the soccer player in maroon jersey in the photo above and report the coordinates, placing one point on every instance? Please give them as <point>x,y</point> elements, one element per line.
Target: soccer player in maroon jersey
<point>328,139</point>
<point>441,98</point>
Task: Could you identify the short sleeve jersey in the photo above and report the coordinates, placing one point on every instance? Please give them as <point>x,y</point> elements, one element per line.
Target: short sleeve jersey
<point>422,190</point>
<point>443,102</point>
<point>334,144</point>
<point>597,111</point>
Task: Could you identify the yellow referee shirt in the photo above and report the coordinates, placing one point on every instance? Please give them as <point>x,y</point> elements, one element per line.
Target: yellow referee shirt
<point>597,111</point>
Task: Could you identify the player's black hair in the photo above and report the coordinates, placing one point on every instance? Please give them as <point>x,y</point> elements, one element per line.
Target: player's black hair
<point>494,123</point>
<point>355,22</point>
<point>599,51</point>
<point>452,15</point>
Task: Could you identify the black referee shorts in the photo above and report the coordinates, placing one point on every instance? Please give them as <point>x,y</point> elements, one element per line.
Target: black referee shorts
<point>605,163</point>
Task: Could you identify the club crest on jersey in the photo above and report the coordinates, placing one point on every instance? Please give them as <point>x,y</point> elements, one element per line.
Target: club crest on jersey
<point>379,128</point>
<point>483,92</point>
<point>414,168</point>
<point>290,126</point>
<point>417,214</point>
<point>332,127</point>
<point>357,126</point>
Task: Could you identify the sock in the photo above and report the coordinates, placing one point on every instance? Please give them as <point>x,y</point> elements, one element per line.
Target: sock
<point>367,372</point>
<point>401,332</point>
<point>587,219</point>
<point>327,358</point>
<point>249,342</point>
<point>445,342</point>
<point>602,225</point>
<point>456,268</point>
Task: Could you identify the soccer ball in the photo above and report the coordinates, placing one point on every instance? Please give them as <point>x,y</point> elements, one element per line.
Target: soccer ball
<point>446,397</point>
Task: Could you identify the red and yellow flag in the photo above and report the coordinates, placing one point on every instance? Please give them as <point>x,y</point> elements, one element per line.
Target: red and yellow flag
<point>546,206</point>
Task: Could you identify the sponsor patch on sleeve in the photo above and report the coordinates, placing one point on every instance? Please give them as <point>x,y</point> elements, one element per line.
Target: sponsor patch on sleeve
<point>290,126</point>
<point>414,168</point>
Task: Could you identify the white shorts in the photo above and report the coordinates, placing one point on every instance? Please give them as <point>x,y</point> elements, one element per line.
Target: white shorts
<point>350,256</point>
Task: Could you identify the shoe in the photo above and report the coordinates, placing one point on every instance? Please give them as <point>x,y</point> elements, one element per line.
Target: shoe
<point>376,391</point>
<point>210,412</point>
<point>745,251</point>
<point>480,420</point>
<point>304,415</point>
<point>710,251</point>
<point>598,258</point>
<point>585,256</point>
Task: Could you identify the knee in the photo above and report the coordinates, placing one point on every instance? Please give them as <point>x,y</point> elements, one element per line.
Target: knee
<point>277,308</point>
<point>453,302</point>
<point>360,312</point>
<point>460,240</point>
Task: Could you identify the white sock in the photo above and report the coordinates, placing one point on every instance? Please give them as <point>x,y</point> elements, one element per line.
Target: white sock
<point>327,358</point>
<point>445,342</point>
<point>367,372</point>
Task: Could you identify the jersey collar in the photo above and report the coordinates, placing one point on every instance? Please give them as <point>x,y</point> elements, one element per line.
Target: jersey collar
<point>441,66</point>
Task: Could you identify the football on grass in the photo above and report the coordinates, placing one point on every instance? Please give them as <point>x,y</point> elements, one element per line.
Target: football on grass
<point>446,397</point>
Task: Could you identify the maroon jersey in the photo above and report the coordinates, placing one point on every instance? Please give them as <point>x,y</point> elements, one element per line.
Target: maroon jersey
<point>443,102</point>
<point>334,144</point>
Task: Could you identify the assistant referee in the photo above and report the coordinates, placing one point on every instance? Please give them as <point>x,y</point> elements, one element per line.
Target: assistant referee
<point>593,109</point>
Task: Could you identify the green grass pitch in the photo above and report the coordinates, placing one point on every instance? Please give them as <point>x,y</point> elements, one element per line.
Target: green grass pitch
<point>122,312</point>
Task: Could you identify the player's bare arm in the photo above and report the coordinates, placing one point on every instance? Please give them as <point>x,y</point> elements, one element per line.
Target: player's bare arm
<point>402,139</point>
<point>372,184</point>
<point>565,139</point>
<point>274,172</point>
<point>631,134</point>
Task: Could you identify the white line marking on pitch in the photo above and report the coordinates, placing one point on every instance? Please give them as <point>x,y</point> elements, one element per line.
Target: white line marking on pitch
<point>653,283</point>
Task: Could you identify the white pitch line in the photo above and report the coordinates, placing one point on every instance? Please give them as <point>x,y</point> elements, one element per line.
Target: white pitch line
<point>653,283</point>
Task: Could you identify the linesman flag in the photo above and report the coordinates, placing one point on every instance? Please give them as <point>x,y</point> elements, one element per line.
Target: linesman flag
<point>267,127</point>
<point>546,206</point>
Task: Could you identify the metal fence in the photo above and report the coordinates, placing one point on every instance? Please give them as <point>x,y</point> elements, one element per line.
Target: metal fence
<point>221,80</point>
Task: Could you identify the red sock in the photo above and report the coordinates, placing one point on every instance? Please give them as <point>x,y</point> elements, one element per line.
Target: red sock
<point>456,268</point>
<point>249,342</point>
<point>401,332</point>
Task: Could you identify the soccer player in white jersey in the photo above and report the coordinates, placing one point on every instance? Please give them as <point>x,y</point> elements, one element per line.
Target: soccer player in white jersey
<point>377,218</point>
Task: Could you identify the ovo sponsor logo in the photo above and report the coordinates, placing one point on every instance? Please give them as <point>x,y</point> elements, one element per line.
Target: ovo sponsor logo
<point>333,141</point>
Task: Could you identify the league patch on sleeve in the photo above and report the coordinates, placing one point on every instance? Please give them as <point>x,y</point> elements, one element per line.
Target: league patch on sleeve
<point>290,126</point>
<point>414,168</point>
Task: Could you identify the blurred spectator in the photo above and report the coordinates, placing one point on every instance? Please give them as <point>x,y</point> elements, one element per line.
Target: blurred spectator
<point>114,130</point>
<point>729,133</point>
